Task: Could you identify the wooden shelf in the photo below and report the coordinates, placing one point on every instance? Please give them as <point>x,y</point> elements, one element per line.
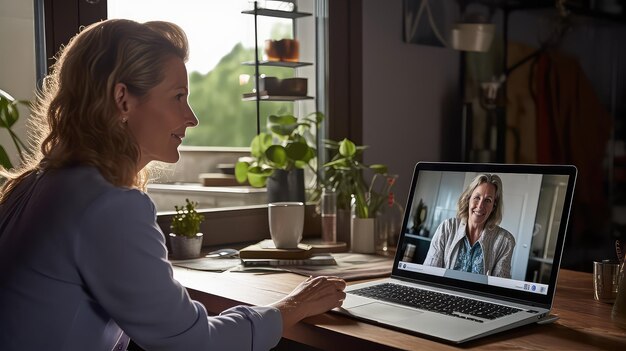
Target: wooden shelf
<point>277,13</point>
<point>264,97</point>
<point>288,64</point>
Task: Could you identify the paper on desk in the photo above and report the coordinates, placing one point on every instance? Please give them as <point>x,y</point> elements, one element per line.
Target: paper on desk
<point>208,264</point>
<point>351,266</point>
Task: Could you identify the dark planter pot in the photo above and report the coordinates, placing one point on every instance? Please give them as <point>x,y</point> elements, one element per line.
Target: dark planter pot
<point>184,248</point>
<point>285,186</point>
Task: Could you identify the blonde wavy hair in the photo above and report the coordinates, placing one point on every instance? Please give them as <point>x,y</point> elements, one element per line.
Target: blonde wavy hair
<point>76,119</point>
<point>463,205</point>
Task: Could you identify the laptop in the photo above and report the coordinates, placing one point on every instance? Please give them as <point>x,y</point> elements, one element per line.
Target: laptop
<point>441,290</point>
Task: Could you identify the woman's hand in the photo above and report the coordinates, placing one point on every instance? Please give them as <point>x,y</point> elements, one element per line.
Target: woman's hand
<point>313,296</point>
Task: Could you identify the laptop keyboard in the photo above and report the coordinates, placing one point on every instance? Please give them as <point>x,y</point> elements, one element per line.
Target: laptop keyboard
<point>436,302</point>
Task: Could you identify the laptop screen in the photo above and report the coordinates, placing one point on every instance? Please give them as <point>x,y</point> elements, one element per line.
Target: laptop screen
<point>491,228</point>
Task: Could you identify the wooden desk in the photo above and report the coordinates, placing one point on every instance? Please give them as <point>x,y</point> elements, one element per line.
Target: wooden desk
<point>584,323</point>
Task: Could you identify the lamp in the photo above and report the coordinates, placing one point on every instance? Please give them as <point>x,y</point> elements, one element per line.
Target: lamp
<point>473,33</point>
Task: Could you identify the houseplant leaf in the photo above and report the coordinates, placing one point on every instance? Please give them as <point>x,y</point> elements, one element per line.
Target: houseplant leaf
<point>297,150</point>
<point>4,159</point>
<point>4,112</point>
<point>260,144</point>
<point>342,162</point>
<point>277,154</point>
<point>258,176</point>
<point>317,118</point>
<point>311,153</point>
<point>241,171</point>
<point>347,148</point>
<point>282,125</point>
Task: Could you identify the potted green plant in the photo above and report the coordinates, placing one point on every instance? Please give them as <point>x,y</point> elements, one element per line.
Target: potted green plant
<point>345,174</point>
<point>185,238</point>
<point>9,115</point>
<point>278,158</point>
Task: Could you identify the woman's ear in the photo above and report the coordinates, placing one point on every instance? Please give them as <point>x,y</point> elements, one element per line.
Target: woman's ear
<point>121,96</point>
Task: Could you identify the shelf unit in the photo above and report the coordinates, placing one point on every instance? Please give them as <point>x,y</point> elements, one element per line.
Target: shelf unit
<point>258,95</point>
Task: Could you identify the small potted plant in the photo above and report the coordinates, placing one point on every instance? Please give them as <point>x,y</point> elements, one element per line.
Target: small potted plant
<point>278,158</point>
<point>185,238</point>
<point>345,174</point>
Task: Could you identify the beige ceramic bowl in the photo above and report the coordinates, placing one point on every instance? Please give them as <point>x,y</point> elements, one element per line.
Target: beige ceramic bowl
<point>472,36</point>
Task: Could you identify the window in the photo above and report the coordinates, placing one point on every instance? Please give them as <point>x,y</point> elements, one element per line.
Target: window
<point>220,39</point>
<point>334,80</point>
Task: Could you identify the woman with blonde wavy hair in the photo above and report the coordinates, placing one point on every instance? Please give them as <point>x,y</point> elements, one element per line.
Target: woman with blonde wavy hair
<point>473,241</point>
<point>83,264</point>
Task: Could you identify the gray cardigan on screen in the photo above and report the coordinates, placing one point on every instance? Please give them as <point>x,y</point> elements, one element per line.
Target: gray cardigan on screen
<point>497,244</point>
<point>83,264</point>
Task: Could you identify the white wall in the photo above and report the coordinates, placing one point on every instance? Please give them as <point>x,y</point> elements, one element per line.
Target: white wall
<point>407,92</point>
<point>17,61</point>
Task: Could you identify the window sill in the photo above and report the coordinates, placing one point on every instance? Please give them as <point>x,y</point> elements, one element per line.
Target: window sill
<point>165,196</point>
<point>175,183</point>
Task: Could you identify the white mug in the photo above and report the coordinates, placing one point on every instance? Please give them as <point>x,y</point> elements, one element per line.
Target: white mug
<point>286,220</point>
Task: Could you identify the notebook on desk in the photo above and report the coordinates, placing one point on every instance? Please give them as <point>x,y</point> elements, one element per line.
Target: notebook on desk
<point>450,287</point>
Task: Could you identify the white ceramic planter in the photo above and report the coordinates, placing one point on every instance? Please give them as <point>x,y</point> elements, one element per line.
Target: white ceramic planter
<point>184,247</point>
<point>362,235</point>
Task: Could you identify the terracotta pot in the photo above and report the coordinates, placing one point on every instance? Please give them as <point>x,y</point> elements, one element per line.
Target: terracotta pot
<point>282,50</point>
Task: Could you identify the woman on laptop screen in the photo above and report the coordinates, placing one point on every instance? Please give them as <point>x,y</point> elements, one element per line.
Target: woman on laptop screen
<point>472,241</point>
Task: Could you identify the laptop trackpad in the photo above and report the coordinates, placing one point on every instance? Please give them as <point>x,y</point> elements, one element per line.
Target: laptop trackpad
<point>383,312</point>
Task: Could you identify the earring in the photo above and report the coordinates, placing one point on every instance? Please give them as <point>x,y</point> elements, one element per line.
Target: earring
<point>124,119</point>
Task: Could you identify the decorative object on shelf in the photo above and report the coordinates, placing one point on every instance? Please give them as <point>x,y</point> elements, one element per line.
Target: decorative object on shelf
<point>217,179</point>
<point>226,168</point>
<point>285,87</point>
<point>9,115</point>
<point>282,50</point>
<point>185,238</point>
<point>286,149</point>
